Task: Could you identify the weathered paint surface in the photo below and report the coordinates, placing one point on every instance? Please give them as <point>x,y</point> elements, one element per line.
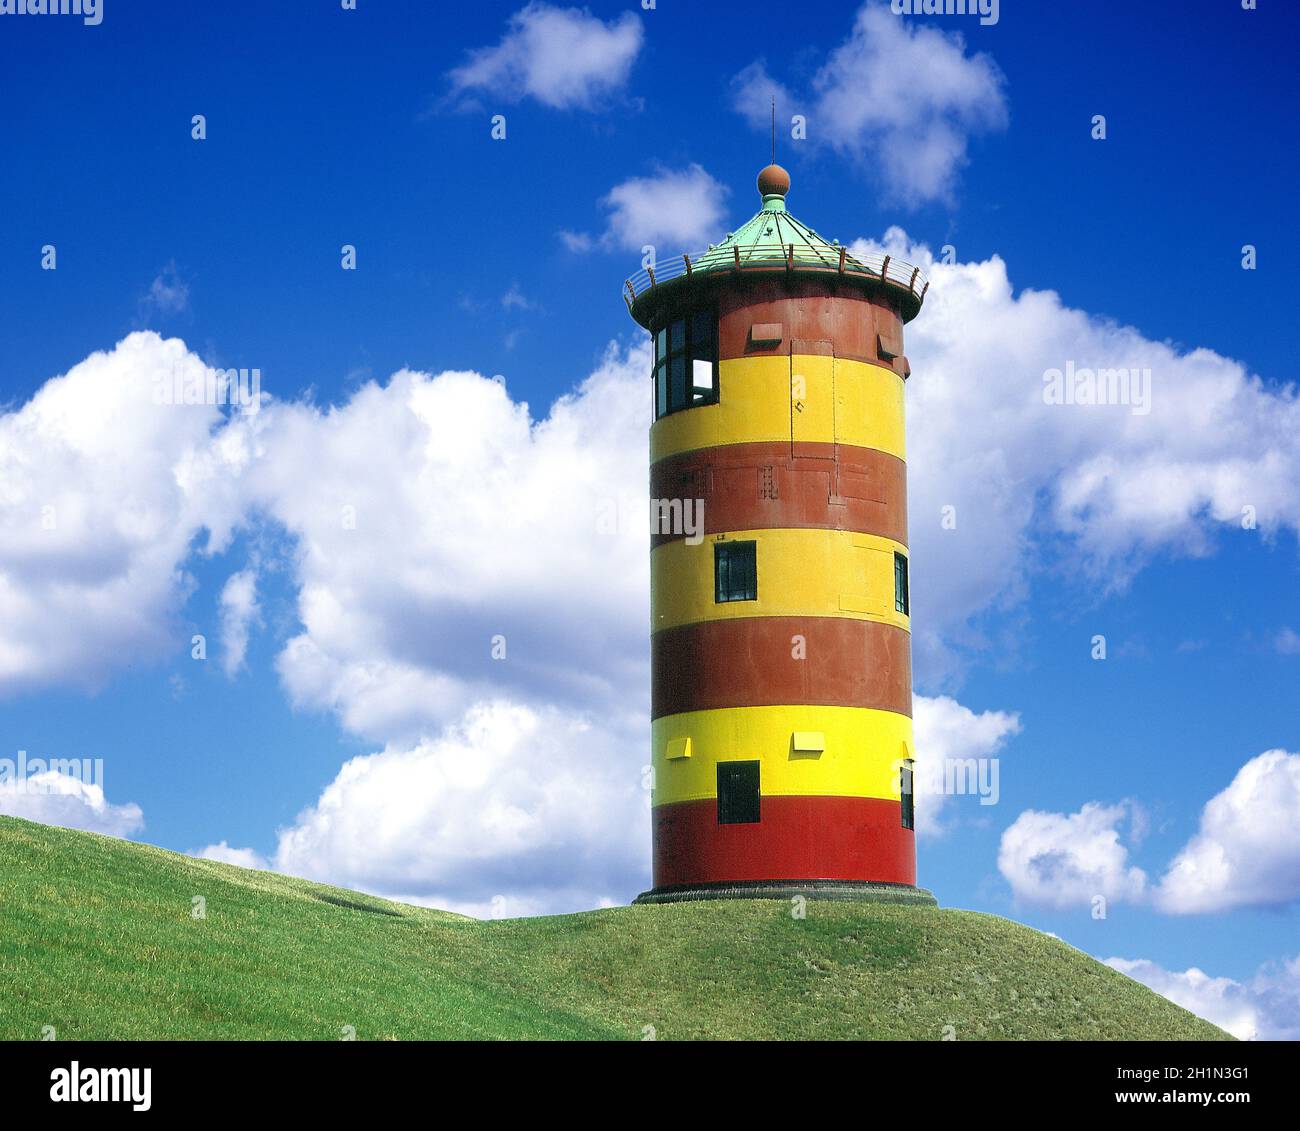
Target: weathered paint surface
<point>767,661</point>
<point>861,328</point>
<point>799,838</point>
<point>863,749</point>
<point>802,455</point>
<point>801,573</point>
<point>752,486</point>
<point>798,398</point>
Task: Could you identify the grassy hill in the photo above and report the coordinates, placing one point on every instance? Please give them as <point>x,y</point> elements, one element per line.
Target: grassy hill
<point>97,939</point>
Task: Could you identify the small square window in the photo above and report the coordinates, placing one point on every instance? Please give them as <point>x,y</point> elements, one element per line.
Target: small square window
<point>739,801</point>
<point>906,795</point>
<point>735,571</point>
<point>902,599</point>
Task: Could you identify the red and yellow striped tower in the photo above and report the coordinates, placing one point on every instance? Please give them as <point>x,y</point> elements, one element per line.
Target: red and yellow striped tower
<point>781,661</point>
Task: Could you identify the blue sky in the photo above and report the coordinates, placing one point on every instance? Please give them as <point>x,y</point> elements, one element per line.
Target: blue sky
<point>483,257</point>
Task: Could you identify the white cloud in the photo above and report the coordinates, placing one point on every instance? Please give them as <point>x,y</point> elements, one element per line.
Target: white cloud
<point>225,854</point>
<point>511,811</point>
<point>492,522</point>
<point>238,611</point>
<point>508,609</point>
<point>515,299</point>
<point>492,525</point>
<point>1266,1008</point>
<point>52,798</point>
<point>956,750</point>
<point>753,91</point>
<point>1066,860</point>
<point>577,242</point>
<point>102,493</point>
<point>564,58</point>
<point>898,97</point>
<point>1247,852</point>
<point>168,293</point>
<point>1287,641</point>
<point>1087,493</point>
<point>554,900</point>
<point>673,210</point>
<point>1025,485</point>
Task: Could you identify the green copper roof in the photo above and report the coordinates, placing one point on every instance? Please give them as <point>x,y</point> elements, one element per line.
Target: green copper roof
<point>773,240</point>
<point>771,229</point>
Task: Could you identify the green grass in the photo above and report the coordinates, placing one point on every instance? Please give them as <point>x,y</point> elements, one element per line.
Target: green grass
<point>97,939</point>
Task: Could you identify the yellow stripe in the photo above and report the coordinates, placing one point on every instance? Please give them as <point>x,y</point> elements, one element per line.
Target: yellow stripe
<point>805,398</point>
<point>863,750</point>
<point>819,573</point>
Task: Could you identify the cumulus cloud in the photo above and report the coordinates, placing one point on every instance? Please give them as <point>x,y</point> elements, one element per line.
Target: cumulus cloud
<point>238,611</point>
<point>956,755</point>
<point>1027,486</point>
<point>477,556</point>
<point>225,854</point>
<point>1094,491</point>
<point>1245,854</point>
<point>484,558</point>
<point>514,555</point>
<point>899,97</point>
<point>497,647</point>
<point>1265,1008</point>
<point>103,492</point>
<point>53,798</point>
<point>1066,860</point>
<point>672,210</point>
<point>511,810</point>
<point>564,58</point>
<point>1247,851</point>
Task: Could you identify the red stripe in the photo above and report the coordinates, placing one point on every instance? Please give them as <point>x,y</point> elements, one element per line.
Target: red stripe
<point>798,838</point>
<point>761,485</point>
<point>809,311</point>
<point>750,662</point>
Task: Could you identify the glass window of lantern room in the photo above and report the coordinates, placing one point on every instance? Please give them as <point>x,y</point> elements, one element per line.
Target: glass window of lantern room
<point>704,386</point>
<point>701,381</point>
<point>677,383</point>
<point>685,369</point>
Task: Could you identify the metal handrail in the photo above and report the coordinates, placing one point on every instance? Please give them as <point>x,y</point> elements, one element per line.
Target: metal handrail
<point>791,256</point>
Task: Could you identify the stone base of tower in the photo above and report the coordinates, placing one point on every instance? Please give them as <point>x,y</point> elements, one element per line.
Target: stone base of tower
<point>837,890</point>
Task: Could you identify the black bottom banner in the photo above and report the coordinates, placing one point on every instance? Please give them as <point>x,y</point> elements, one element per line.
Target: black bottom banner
<point>344,1078</point>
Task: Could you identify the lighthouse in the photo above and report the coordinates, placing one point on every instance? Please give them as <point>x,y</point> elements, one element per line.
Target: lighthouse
<point>781,685</point>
